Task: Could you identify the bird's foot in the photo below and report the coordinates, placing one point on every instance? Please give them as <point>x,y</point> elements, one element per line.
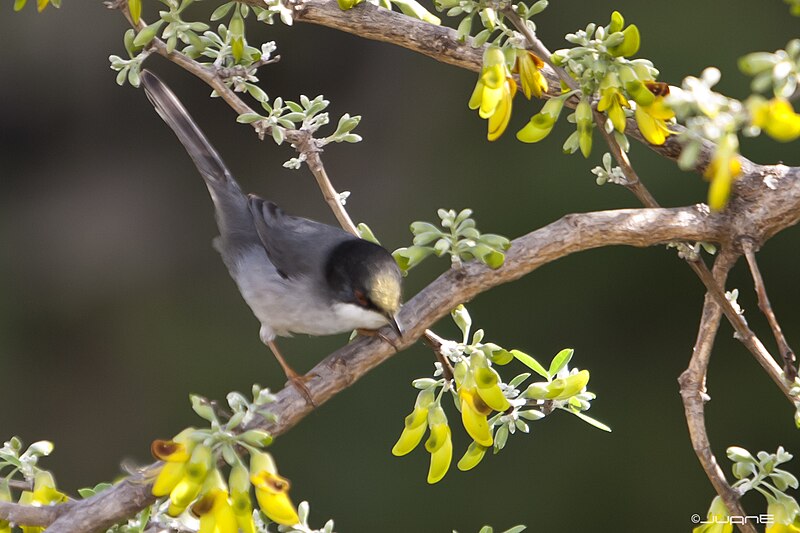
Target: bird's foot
<point>380,335</point>
<point>299,382</point>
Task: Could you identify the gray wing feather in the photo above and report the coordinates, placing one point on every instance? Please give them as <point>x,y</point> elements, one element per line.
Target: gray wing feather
<point>296,246</point>
<point>237,231</point>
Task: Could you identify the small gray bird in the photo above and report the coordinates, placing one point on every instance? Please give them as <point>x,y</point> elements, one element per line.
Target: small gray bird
<point>297,275</point>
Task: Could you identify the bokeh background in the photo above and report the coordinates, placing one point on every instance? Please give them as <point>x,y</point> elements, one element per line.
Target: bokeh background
<point>114,307</point>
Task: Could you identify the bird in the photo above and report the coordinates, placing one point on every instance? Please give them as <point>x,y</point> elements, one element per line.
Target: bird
<point>298,276</point>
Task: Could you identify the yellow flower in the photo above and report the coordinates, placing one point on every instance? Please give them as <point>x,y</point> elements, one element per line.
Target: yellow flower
<point>215,513</point>
<point>489,389</point>
<point>529,67</point>
<point>612,101</point>
<point>472,456</point>
<point>717,518</point>
<point>777,118</point>
<point>239,482</point>
<point>175,453</point>
<point>542,123</point>
<point>652,118</point>
<point>415,425</point>
<point>585,123</point>
<point>44,493</point>
<point>723,170</point>
<point>273,498</point>
<point>473,415</point>
<point>272,490</point>
<point>439,445</point>
<point>494,92</point>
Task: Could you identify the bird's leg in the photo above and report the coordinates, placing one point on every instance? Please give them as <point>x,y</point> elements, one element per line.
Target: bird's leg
<point>377,333</point>
<point>293,377</point>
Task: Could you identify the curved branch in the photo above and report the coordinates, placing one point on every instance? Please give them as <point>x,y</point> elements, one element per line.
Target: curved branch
<point>692,387</point>
<point>568,235</point>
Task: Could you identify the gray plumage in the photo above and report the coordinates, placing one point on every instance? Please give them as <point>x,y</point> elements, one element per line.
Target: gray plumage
<point>282,264</point>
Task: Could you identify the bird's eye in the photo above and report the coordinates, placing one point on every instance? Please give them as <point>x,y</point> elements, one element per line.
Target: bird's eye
<point>361,299</point>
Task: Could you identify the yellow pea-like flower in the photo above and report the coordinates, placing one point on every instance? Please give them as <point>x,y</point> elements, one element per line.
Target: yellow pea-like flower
<point>182,495</point>
<point>529,66</point>
<point>612,102</point>
<point>440,446</point>
<point>170,475</point>
<point>777,118</point>
<point>273,498</point>
<point>472,456</point>
<point>415,426</point>
<point>473,415</point>
<point>488,389</point>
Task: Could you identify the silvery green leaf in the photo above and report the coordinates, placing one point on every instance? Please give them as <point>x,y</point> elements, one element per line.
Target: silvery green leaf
<point>256,92</point>
<point>740,455</point>
<point>366,233</point>
<point>762,82</point>
<point>481,38</point>
<point>589,420</point>
<point>538,7</point>
<point>477,336</point>
<point>622,140</point>
<point>302,512</point>
<point>532,414</point>
<point>464,27</point>
<point>278,135</point>
<point>522,426</point>
<point>229,455</point>
<point>248,118</point>
<point>441,247</point>
<point>423,383</point>
<point>486,529</point>
<point>328,527</point>
<point>783,479</point>
<point>560,360</point>
<point>133,76</point>
<point>743,470</point>
<point>294,107</point>
<point>519,379</point>
<point>423,239</point>
<point>351,138</point>
<point>424,227</point>
<point>500,438</point>
<point>122,75</point>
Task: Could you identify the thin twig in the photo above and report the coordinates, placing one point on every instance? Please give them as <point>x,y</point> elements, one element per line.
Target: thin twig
<point>764,305</point>
<point>743,331</point>
<point>435,342</point>
<point>692,387</point>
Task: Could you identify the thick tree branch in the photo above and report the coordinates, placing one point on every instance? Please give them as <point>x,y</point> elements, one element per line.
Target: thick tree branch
<point>692,386</point>
<point>766,200</point>
<point>568,235</point>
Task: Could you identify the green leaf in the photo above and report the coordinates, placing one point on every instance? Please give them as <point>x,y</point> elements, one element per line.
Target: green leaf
<point>221,11</point>
<point>560,360</point>
<point>248,118</point>
<point>589,420</point>
<point>530,362</point>
<point>147,34</point>
<point>516,529</point>
<point>366,233</point>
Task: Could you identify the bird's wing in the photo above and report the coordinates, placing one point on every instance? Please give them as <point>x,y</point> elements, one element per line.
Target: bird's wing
<point>235,222</point>
<point>296,246</point>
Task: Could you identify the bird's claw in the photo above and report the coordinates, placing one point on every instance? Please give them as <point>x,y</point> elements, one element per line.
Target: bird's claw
<point>380,335</point>
<point>299,383</point>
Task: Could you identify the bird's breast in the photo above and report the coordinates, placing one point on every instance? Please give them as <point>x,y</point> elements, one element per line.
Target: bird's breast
<point>295,305</point>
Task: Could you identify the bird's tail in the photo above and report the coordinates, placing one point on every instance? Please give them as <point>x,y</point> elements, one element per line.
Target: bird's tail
<point>233,215</point>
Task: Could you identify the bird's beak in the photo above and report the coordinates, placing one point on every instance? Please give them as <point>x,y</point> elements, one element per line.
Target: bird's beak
<point>395,325</point>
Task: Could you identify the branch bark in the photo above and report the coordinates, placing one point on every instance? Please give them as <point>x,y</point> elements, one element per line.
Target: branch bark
<point>766,200</point>
<point>692,387</point>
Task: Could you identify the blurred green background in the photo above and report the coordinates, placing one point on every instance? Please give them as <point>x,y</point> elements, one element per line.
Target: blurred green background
<point>115,307</point>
